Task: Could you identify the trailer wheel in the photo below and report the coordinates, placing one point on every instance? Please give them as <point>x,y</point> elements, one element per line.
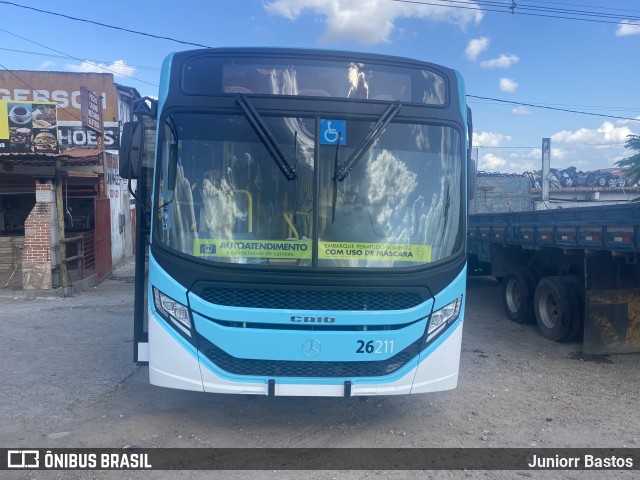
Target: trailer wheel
<point>518,288</point>
<point>576,284</point>
<point>555,308</point>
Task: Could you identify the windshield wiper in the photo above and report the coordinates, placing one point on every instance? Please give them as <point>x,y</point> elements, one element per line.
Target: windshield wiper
<point>267,138</point>
<point>345,169</point>
<point>334,180</point>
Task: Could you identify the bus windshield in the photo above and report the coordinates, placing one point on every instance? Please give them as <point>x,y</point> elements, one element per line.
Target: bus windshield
<point>221,197</point>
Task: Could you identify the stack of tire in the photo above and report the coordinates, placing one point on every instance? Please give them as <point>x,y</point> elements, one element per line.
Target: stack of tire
<point>570,177</point>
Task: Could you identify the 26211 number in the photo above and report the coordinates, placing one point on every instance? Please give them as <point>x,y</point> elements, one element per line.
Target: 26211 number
<point>375,346</point>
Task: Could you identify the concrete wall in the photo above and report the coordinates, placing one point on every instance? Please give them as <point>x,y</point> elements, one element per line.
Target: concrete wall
<point>118,193</point>
<point>553,204</point>
<point>120,199</point>
<point>496,194</point>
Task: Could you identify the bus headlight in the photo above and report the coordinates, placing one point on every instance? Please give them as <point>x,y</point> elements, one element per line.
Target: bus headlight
<point>443,317</point>
<point>173,311</point>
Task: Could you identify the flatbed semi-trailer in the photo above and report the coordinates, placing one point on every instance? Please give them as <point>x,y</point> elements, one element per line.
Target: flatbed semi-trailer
<point>573,271</point>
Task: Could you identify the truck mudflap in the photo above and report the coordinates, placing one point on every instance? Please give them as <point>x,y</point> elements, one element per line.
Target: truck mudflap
<point>612,321</point>
<point>612,303</point>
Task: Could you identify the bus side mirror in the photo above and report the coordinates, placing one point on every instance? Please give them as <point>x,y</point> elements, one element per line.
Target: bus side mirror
<point>471,177</point>
<point>471,163</point>
<point>130,151</point>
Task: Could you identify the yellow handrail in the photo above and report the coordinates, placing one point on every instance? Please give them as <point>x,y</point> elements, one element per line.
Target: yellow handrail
<point>250,207</point>
<point>293,232</point>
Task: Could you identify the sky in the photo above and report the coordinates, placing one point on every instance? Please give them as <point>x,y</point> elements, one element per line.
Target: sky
<point>537,55</point>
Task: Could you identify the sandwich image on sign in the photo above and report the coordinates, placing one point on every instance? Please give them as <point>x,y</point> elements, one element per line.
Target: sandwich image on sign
<point>45,142</point>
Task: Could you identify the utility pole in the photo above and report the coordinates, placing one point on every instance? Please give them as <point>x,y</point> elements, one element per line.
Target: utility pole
<point>62,251</point>
<point>546,165</point>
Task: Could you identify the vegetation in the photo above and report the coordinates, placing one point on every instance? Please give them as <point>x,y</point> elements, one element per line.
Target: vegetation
<point>632,162</point>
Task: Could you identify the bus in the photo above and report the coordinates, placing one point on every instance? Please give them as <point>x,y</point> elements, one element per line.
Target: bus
<point>302,223</point>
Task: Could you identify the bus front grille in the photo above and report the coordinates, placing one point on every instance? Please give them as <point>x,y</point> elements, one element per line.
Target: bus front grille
<point>323,369</point>
<point>292,299</point>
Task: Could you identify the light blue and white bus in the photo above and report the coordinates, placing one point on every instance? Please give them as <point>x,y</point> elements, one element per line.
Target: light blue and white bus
<point>307,223</point>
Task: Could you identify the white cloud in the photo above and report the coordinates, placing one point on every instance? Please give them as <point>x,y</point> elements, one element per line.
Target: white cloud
<point>628,27</point>
<point>559,154</point>
<point>592,149</point>
<point>46,64</point>
<point>505,60</point>
<point>587,156</point>
<point>607,134</point>
<point>475,47</point>
<point>370,22</point>
<point>490,139</point>
<point>520,162</point>
<point>490,162</point>
<point>118,68</point>
<point>630,122</point>
<point>520,111</point>
<point>508,85</point>
<point>516,161</point>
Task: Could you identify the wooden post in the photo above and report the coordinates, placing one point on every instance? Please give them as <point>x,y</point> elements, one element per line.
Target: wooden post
<point>81,260</point>
<point>62,252</point>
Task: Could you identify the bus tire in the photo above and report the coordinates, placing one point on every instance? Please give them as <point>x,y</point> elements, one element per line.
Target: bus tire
<point>518,288</point>
<point>555,308</point>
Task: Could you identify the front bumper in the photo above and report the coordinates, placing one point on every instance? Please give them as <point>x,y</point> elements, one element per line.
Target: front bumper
<point>175,363</point>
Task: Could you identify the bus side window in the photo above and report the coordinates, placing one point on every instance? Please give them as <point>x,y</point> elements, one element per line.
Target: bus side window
<point>184,212</point>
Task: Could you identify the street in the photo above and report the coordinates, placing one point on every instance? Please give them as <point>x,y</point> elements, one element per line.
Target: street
<point>68,380</point>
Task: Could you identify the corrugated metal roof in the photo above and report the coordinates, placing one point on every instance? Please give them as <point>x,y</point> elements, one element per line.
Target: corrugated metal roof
<point>79,156</point>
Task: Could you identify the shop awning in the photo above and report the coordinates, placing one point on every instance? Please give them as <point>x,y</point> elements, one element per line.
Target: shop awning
<point>75,157</point>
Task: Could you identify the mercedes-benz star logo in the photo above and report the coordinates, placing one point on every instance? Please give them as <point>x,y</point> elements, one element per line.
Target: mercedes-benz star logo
<point>311,348</point>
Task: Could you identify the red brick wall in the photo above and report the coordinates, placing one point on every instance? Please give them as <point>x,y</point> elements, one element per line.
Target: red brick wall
<point>36,254</point>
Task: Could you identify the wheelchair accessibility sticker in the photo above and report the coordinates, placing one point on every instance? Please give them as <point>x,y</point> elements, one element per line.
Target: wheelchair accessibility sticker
<point>332,130</point>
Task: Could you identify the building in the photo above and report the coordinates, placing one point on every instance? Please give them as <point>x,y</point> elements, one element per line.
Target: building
<point>59,177</point>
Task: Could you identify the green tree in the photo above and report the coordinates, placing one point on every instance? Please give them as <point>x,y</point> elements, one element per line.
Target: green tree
<point>632,162</point>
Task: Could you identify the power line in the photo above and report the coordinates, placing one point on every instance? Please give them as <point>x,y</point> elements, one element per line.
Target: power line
<point>115,27</point>
<point>487,99</point>
<point>490,99</point>
<point>520,6</point>
<point>513,8</point>
<point>558,109</point>
<point>590,107</point>
<point>43,54</point>
<point>617,144</point>
<point>78,59</point>
<point>517,9</point>
<point>507,8</point>
<point>581,5</point>
<point>31,88</point>
<point>487,146</point>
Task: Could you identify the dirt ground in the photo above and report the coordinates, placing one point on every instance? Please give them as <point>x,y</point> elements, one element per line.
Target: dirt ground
<point>68,380</point>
